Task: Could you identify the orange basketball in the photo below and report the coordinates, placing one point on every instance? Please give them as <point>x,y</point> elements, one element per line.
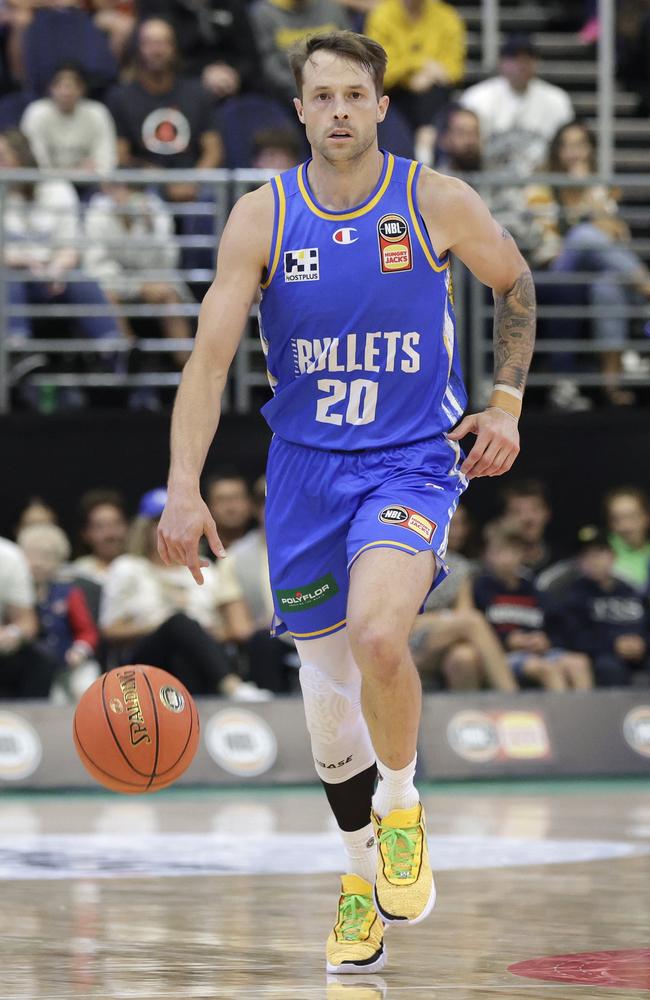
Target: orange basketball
<point>136,729</point>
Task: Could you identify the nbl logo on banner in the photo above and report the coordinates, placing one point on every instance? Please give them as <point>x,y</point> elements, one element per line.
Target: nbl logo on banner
<point>301,265</point>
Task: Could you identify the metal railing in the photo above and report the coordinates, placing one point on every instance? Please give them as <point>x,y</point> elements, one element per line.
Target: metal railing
<point>22,358</point>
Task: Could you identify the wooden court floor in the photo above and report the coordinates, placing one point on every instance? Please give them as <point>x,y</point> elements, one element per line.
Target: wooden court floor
<point>206,894</point>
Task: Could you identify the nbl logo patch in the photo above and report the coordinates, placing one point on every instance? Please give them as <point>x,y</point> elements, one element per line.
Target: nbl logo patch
<point>395,253</point>
<point>405,517</point>
<point>301,265</point>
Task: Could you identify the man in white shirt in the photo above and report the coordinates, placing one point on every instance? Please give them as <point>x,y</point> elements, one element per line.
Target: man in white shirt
<point>519,114</point>
<point>66,130</point>
<point>25,671</point>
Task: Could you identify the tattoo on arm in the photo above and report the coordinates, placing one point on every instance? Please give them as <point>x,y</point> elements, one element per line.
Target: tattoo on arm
<point>514,332</point>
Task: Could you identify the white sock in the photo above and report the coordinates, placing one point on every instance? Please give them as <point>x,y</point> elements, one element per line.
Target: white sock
<point>395,789</point>
<point>361,849</point>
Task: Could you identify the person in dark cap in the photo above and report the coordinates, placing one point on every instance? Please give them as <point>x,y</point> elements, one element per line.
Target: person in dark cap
<point>604,616</point>
<point>519,113</point>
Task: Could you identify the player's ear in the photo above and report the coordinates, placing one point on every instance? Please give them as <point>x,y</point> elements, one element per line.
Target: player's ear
<point>382,107</point>
<point>297,103</point>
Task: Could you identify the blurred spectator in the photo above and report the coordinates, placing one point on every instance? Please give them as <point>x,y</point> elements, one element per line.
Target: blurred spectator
<point>131,232</point>
<point>279,24</point>
<point>103,532</point>
<point>519,113</point>
<point>158,614</point>
<point>578,229</point>
<point>229,502</point>
<point>272,661</point>
<point>41,225</point>
<point>163,119</point>
<point>628,517</point>
<point>459,147</point>
<point>452,638</point>
<point>425,42</point>
<point>603,616</point>
<point>66,628</point>
<point>67,131</point>
<point>462,535</point>
<point>116,19</point>
<point>512,605</point>
<point>166,121</point>
<point>527,512</point>
<point>25,670</point>
<point>215,41</point>
<point>276,149</point>
<point>36,511</point>
<point>459,150</point>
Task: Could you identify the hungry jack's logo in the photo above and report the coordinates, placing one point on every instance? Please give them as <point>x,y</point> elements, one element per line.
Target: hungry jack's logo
<point>395,253</point>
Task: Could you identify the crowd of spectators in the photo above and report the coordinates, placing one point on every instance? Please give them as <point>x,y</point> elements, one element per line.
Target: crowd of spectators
<point>515,612</point>
<point>206,83</point>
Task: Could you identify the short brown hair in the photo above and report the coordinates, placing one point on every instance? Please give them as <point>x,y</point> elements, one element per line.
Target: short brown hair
<point>347,44</point>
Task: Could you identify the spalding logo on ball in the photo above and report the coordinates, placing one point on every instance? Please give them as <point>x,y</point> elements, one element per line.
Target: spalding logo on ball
<point>136,729</point>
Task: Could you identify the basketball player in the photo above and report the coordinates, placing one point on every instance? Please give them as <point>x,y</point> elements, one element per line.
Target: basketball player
<point>351,250</point>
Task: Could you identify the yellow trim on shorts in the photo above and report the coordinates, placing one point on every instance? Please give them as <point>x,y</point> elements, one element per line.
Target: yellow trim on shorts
<point>322,631</point>
<point>282,211</point>
<point>342,216</point>
<point>416,224</point>
<point>386,542</point>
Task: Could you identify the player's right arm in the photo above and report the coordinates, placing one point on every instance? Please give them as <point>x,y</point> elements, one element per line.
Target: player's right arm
<point>243,255</point>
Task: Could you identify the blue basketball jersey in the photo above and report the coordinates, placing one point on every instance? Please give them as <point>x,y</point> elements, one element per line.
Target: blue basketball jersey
<point>357,320</point>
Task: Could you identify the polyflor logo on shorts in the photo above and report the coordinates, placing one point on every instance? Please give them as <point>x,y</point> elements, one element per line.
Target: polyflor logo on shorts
<point>309,596</point>
<point>405,517</point>
<point>20,747</point>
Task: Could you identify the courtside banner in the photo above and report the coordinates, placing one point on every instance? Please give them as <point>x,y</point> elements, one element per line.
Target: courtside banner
<point>462,736</point>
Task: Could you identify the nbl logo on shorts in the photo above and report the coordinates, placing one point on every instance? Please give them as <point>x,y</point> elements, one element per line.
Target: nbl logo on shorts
<point>301,265</point>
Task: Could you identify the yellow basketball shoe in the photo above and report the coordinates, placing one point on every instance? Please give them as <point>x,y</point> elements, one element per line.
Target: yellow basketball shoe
<point>356,943</point>
<point>404,890</point>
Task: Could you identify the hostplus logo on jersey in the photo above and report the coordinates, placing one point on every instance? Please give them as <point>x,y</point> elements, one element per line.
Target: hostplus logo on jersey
<point>301,265</point>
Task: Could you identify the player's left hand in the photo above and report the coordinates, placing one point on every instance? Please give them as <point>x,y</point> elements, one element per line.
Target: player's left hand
<point>496,446</point>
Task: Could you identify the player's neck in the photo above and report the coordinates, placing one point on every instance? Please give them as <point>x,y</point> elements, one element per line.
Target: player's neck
<point>340,186</point>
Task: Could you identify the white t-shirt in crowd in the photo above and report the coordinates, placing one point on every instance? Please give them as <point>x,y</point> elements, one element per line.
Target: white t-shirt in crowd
<point>89,568</point>
<point>63,141</point>
<point>16,587</point>
<point>517,129</point>
<point>147,594</point>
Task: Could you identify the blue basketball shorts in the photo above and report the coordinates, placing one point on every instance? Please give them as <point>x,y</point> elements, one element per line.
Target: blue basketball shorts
<point>324,508</point>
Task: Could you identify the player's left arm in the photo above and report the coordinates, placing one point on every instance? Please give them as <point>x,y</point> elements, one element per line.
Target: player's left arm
<point>461,223</point>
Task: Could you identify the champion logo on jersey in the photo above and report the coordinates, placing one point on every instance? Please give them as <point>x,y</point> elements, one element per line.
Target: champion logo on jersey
<point>395,253</point>
<point>345,236</point>
<point>301,265</point>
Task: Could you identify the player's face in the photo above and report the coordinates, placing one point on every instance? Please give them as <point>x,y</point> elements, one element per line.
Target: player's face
<point>339,107</point>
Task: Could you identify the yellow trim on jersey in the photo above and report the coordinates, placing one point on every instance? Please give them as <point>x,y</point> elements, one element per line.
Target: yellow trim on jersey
<point>343,216</point>
<point>380,542</point>
<point>322,631</point>
<point>282,211</point>
<point>416,224</point>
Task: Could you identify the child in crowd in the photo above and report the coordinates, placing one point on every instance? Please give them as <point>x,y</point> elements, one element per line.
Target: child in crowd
<point>66,627</point>
<point>512,605</point>
<point>605,617</point>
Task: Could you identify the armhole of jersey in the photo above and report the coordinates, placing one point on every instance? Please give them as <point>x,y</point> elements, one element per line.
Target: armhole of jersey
<point>278,229</point>
<point>418,223</point>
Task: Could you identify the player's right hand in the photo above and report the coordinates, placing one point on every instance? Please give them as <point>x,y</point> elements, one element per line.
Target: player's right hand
<point>184,521</point>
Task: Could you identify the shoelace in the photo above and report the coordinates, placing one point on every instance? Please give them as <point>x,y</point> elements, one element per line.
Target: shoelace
<point>354,910</point>
<point>401,845</point>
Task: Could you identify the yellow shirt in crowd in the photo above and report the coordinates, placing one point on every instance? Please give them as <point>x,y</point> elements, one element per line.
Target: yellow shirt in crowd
<point>435,33</point>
